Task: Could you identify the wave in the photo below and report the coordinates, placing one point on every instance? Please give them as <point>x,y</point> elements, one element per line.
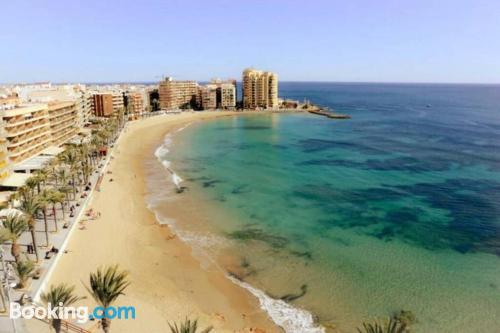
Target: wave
<point>291,319</point>
<point>161,154</point>
<point>162,151</point>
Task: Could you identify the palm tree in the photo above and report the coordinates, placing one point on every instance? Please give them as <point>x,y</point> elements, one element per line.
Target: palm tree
<point>86,171</point>
<point>43,200</point>
<point>391,326</point>
<point>70,158</point>
<point>188,326</point>
<point>14,227</point>
<point>60,294</point>
<point>62,175</point>
<point>52,169</point>
<point>3,298</point>
<point>42,175</point>
<point>106,285</point>
<point>84,150</point>
<point>32,183</point>
<point>30,207</point>
<point>56,197</point>
<point>24,270</point>
<point>65,190</point>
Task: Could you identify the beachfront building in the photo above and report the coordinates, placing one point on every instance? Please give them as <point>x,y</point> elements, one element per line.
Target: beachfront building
<point>102,105</point>
<point>5,165</point>
<point>47,93</point>
<point>63,121</point>
<point>83,109</point>
<point>227,92</point>
<point>26,130</point>
<point>4,157</point>
<point>106,103</point>
<point>135,102</point>
<point>260,89</point>
<point>178,94</point>
<point>208,96</point>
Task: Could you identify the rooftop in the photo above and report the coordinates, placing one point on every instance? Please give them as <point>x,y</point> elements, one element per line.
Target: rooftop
<point>24,109</point>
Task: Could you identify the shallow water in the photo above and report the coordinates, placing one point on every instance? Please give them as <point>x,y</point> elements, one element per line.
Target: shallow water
<point>397,208</point>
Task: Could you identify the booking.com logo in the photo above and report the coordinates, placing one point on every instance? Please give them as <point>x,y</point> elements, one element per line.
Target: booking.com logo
<point>81,313</point>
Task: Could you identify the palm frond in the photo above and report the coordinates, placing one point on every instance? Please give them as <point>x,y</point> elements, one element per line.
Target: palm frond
<point>107,284</point>
<point>24,270</point>
<point>188,326</point>
<point>14,226</point>
<point>61,293</point>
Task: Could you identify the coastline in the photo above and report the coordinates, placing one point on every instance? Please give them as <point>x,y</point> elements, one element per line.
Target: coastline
<point>168,283</point>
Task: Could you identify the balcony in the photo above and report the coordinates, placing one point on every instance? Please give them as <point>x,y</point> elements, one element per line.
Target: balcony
<point>58,113</point>
<point>13,132</point>
<point>57,121</point>
<point>16,121</point>
<point>32,145</point>
<point>24,139</point>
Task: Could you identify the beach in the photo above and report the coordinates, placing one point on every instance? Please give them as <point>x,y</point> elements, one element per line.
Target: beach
<point>302,208</point>
<point>167,283</point>
<point>318,212</point>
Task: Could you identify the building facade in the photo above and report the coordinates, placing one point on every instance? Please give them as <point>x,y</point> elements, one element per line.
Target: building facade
<point>63,121</point>
<point>84,109</point>
<point>178,94</point>
<point>135,103</point>
<point>4,157</point>
<point>102,105</point>
<point>260,89</point>
<point>106,103</point>
<point>27,131</point>
<point>227,93</point>
<point>208,97</point>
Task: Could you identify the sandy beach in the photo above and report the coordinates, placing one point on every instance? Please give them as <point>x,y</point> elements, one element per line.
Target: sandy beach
<point>167,282</point>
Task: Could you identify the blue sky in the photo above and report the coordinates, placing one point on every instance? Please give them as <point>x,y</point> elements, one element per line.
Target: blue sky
<point>314,40</point>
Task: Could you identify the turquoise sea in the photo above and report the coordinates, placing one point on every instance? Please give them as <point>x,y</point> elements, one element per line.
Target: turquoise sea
<point>395,209</point>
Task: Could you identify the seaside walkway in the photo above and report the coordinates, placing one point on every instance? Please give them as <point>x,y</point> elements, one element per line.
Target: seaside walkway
<point>58,240</point>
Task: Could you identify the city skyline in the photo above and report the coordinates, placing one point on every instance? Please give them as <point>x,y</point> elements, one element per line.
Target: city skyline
<point>417,42</point>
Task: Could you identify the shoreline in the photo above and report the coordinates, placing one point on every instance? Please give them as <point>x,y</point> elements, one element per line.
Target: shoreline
<point>168,283</point>
<point>195,228</point>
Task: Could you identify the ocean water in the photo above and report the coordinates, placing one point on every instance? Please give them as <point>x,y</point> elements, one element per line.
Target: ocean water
<point>351,220</point>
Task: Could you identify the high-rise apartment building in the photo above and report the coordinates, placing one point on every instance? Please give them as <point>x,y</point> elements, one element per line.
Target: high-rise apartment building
<point>63,121</point>
<point>178,94</point>
<point>61,93</point>
<point>135,102</point>
<point>83,108</point>
<point>227,96</point>
<point>260,89</point>
<point>106,103</point>
<point>208,97</point>
<point>102,105</point>
<point>226,93</point>
<point>27,130</point>
<point>4,157</point>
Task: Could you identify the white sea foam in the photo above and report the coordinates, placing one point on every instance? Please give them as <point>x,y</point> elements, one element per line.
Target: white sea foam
<point>161,154</point>
<point>291,319</point>
<point>176,180</point>
<point>182,128</point>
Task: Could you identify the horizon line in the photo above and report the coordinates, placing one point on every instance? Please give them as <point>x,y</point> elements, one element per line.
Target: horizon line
<point>283,81</point>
